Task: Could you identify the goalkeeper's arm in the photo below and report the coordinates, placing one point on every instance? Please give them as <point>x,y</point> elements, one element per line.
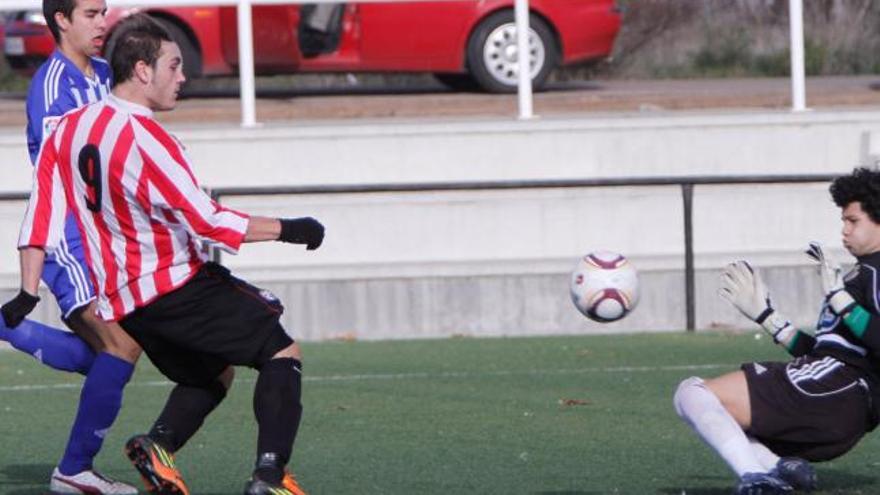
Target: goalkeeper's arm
<point>799,343</point>
<point>743,288</point>
<point>861,323</point>
<point>795,341</point>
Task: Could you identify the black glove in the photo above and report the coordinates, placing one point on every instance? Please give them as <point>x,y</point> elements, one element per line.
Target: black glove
<point>305,230</point>
<point>20,306</point>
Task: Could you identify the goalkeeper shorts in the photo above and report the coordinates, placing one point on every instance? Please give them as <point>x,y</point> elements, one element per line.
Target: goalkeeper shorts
<point>816,408</point>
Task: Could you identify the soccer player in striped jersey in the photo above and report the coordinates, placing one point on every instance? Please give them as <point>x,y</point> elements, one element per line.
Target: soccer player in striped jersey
<point>769,419</point>
<point>144,219</point>
<point>72,77</point>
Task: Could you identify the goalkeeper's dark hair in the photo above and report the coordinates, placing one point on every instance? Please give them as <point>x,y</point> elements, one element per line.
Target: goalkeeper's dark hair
<point>862,185</point>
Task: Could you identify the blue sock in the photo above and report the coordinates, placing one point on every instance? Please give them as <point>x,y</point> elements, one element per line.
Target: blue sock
<point>55,348</point>
<point>99,403</point>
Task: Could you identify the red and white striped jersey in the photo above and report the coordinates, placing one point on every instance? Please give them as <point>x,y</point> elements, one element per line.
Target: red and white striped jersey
<point>141,212</point>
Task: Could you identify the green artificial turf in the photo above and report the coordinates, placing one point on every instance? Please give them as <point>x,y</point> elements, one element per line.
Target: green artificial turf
<point>559,415</point>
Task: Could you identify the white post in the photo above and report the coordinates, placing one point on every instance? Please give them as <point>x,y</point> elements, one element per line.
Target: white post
<point>246,64</point>
<point>521,14</point>
<point>796,25</point>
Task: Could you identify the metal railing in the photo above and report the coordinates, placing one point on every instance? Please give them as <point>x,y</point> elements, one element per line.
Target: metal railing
<point>521,8</point>
<point>14,196</point>
<point>686,184</point>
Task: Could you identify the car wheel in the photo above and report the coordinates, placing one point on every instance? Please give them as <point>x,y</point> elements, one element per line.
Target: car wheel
<point>492,52</point>
<point>457,82</point>
<point>192,58</point>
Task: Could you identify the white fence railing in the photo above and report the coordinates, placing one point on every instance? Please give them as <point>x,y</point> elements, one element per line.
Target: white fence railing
<point>798,71</point>
<point>246,45</point>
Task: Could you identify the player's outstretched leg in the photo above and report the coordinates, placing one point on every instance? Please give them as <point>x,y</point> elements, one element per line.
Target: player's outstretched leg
<point>55,348</point>
<point>156,466</point>
<point>186,410</point>
<point>705,414</point>
<point>99,404</point>
<point>278,408</point>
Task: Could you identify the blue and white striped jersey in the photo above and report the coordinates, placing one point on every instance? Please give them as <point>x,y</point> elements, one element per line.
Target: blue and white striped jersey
<point>57,88</point>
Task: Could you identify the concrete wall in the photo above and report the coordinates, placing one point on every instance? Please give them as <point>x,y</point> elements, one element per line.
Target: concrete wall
<point>497,262</point>
<point>595,146</point>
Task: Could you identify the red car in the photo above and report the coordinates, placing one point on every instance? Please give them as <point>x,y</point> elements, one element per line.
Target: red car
<point>465,43</point>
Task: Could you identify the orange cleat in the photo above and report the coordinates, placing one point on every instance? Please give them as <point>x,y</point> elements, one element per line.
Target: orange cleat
<point>289,483</point>
<point>156,466</point>
<point>288,486</point>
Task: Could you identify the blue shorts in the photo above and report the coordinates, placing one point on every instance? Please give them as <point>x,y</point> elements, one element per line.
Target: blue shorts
<point>66,272</point>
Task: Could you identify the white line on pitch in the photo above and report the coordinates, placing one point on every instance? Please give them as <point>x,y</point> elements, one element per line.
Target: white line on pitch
<point>411,376</point>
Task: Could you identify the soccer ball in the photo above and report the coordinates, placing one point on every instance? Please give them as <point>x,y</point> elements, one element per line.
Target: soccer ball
<point>604,286</point>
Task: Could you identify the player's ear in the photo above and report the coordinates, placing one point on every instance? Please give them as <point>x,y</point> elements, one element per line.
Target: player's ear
<point>62,21</point>
<point>143,72</point>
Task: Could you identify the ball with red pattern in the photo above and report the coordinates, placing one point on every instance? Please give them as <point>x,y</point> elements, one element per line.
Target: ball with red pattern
<point>604,286</point>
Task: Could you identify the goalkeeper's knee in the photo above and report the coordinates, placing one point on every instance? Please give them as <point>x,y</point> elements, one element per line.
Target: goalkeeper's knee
<point>685,393</point>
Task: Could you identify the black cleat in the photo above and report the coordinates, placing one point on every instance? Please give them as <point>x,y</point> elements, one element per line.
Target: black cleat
<point>796,472</point>
<point>259,487</point>
<point>761,484</point>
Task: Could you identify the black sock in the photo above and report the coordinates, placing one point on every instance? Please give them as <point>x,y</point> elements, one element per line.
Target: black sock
<point>184,412</point>
<point>278,410</point>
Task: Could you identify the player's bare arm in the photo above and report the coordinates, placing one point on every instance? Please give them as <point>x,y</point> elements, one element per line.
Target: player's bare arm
<point>261,229</point>
<point>26,300</point>
<point>31,260</point>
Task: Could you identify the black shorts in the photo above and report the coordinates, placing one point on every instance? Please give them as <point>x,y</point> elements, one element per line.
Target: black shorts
<point>816,408</point>
<point>215,320</point>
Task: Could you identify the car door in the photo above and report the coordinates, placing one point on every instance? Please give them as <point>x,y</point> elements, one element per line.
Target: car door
<point>275,43</point>
<point>418,36</point>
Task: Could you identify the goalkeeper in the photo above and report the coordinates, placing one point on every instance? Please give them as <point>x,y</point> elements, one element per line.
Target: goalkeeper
<point>769,419</point>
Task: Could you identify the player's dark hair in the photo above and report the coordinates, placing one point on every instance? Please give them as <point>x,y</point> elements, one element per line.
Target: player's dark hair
<point>862,185</point>
<point>52,7</point>
<point>135,38</point>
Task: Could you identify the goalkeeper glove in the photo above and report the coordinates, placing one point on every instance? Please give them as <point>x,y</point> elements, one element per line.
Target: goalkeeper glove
<point>16,309</point>
<point>832,280</point>
<point>305,230</point>
<point>742,287</point>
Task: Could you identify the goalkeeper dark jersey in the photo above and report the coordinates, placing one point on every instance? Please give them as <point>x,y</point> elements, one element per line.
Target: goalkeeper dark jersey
<point>835,337</point>
<point>815,406</point>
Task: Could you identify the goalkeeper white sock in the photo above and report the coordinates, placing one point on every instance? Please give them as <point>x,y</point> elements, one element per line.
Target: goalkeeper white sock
<point>765,456</point>
<point>702,410</point>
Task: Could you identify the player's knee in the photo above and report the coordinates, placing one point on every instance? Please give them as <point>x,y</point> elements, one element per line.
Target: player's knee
<point>125,348</point>
<point>291,351</point>
<point>686,389</point>
<point>227,377</point>
<point>129,354</point>
<point>76,321</point>
<point>120,344</point>
<point>110,337</point>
